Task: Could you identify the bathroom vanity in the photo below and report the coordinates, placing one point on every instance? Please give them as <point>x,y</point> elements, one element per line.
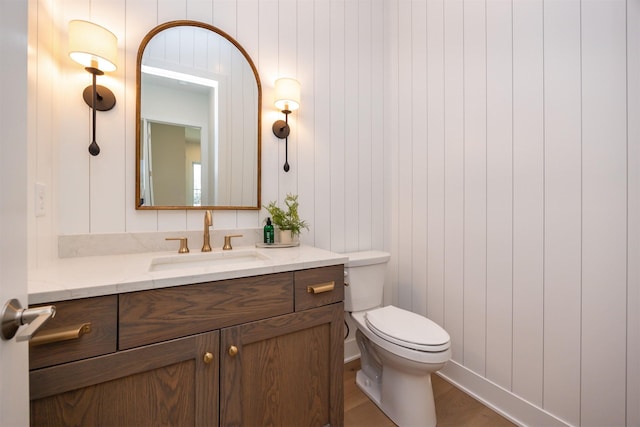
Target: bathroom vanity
<point>260,343</point>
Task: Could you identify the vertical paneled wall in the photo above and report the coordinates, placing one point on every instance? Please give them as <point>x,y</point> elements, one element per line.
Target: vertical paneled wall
<point>562,210</point>
<point>336,150</point>
<point>528,200</point>
<point>516,179</point>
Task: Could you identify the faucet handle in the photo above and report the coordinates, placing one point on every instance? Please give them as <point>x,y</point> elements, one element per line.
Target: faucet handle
<point>227,241</point>
<point>184,248</point>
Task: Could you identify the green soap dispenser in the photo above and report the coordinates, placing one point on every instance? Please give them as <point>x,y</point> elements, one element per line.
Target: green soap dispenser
<point>268,232</point>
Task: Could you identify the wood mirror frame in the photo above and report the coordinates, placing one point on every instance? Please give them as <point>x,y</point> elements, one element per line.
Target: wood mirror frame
<point>217,157</point>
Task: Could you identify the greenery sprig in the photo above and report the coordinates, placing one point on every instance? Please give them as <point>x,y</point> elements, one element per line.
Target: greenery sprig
<point>288,219</point>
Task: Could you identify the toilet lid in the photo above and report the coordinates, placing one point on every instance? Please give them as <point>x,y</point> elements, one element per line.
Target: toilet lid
<point>407,329</point>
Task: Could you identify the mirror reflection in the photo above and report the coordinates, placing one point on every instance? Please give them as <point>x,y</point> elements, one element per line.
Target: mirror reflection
<point>199,121</point>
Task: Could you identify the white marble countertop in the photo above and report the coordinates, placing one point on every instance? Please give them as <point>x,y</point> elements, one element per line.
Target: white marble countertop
<point>82,277</point>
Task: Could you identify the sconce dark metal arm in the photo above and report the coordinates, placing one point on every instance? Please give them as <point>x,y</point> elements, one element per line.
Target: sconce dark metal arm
<point>281,129</point>
<point>99,98</point>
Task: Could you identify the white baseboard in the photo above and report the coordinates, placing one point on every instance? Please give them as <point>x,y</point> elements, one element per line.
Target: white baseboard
<point>351,350</point>
<point>510,406</point>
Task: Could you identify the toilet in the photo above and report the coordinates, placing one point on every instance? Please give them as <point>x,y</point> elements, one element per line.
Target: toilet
<point>398,349</point>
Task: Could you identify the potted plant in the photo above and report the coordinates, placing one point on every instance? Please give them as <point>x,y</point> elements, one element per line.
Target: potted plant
<point>287,220</point>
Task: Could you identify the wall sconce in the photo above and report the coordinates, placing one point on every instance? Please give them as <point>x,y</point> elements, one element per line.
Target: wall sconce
<point>96,48</point>
<point>287,99</point>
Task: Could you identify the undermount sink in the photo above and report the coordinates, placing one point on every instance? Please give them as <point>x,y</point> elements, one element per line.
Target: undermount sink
<point>206,259</point>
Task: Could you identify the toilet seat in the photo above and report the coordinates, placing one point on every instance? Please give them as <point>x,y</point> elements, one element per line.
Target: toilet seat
<point>428,357</point>
<point>407,329</point>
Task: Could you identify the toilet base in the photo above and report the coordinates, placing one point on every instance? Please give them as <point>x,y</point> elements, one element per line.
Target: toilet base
<point>408,402</point>
<point>368,387</point>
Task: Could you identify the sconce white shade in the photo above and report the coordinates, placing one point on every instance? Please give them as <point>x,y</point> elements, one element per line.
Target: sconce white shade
<point>92,45</point>
<point>287,94</point>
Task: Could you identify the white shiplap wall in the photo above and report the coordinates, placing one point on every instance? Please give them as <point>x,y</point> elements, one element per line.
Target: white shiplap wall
<point>491,146</point>
<point>515,197</point>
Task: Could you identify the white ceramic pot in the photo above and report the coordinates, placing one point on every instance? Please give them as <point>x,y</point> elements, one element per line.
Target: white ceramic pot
<point>286,237</point>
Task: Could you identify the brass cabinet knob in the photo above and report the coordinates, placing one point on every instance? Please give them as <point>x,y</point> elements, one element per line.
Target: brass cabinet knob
<point>233,350</point>
<point>208,357</point>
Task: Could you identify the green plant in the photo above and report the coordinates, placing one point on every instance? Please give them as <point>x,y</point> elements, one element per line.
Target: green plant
<point>287,219</point>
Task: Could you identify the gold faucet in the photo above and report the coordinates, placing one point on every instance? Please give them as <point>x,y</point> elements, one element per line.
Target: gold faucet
<point>208,222</point>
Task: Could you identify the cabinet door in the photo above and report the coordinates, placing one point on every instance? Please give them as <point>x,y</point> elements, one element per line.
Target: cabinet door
<point>170,383</point>
<point>284,371</point>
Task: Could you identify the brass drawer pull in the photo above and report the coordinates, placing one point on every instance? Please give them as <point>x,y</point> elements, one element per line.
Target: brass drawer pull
<point>322,287</point>
<point>61,334</point>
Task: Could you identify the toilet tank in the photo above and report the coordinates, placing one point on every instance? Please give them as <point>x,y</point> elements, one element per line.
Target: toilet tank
<point>364,274</point>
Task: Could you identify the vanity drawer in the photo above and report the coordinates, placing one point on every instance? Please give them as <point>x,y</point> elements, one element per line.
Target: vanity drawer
<point>161,314</point>
<point>72,338</point>
<point>319,286</point>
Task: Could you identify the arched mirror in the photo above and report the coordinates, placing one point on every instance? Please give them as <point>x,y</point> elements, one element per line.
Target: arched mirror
<point>198,120</point>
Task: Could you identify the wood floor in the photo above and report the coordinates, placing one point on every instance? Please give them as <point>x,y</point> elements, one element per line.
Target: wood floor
<point>453,407</point>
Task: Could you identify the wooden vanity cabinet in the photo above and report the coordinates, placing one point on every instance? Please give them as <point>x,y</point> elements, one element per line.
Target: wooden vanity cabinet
<point>249,351</point>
